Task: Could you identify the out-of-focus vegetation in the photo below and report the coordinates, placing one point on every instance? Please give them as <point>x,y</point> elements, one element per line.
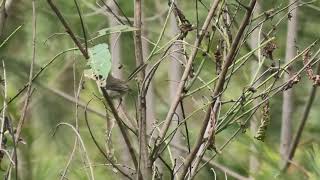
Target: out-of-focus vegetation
<point>47,148</point>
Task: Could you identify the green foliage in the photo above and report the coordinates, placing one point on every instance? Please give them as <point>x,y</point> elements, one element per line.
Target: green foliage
<point>314,160</point>
<point>99,63</point>
<point>46,158</point>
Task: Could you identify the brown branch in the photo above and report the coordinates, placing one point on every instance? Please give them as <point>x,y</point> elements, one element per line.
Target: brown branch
<point>105,94</point>
<point>208,160</point>
<point>122,128</point>
<point>288,97</point>
<point>82,26</point>
<point>219,86</point>
<point>109,9</point>
<point>145,167</point>
<point>36,76</point>
<point>5,7</point>
<point>28,93</point>
<point>99,147</point>
<point>3,16</point>
<point>93,110</point>
<point>68,29</point>
<point>304,119</point>
<point>26,103</point>
<point>180,88</point>
<point>208,139</point>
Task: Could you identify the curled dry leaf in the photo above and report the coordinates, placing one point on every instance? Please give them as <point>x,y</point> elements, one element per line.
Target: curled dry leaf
<point>218,57</point>
<point>316,80</point>
<point>309,71</point>
<point>294,80</point>
<point>269,49</point>
<point>306,58</point>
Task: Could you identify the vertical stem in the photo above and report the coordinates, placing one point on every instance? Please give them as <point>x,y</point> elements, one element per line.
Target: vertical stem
<point>4,103</point>
<point>304,119</point>
<point>114,41</point>
<point>144,161</point>
<point>115,49</point>
<point>68,29</point>
<point>25,107</point>
<point>255,42</point>
<point>287,106</point>
<point>174,73</point>
<point>219,87</point>
<point>3,16</point>
<point>5,7</point>
<point>180,88</point>
<point>122,127</point>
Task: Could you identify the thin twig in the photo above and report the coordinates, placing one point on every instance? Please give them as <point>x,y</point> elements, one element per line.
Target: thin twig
<point>81,143</point>
<point>68,29</point>
<point>29,88</point>
<point>76,94</point>
<point>13,33</point>
<point>303,121</point>
<point>215,164</point>
<point>144,163</point>
<point>113,13</point>
<point>219,87</point>
<point>122,128</point>
<point>82,26</point>
<point>99,147</point>
<point>4,103</point>
<point>122,12</point>
<point>184,77</point>
<point>3,16</point>
<point>37,75</point>
<point>28,93</point>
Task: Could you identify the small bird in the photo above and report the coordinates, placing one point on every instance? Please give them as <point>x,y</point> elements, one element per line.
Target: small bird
<point>115,87</point>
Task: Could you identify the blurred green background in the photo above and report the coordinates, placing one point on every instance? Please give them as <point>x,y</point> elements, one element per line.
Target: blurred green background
<point>44,156</point>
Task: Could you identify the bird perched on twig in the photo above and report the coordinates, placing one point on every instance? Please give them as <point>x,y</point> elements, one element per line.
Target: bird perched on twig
<point>115,87</point>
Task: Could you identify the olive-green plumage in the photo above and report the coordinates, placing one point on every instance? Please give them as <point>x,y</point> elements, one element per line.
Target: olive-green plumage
<point>115,87</point>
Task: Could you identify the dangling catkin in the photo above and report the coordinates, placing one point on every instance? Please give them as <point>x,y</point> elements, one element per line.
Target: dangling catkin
<point>265,121</point>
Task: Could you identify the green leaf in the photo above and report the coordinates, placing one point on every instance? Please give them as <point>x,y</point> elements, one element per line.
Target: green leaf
<point>116,29</point>
<point>99,63</point>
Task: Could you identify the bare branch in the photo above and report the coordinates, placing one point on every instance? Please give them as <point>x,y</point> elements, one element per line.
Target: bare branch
<point>219,86</point>
<point>184,77</point>
<point>68,29</point>
<point>303,121</point>
<point>123,130</point>
<point>144,161</point>
<point>25,107</point>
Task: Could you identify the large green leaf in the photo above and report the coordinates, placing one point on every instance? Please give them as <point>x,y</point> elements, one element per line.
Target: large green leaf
<point>99,63</point>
